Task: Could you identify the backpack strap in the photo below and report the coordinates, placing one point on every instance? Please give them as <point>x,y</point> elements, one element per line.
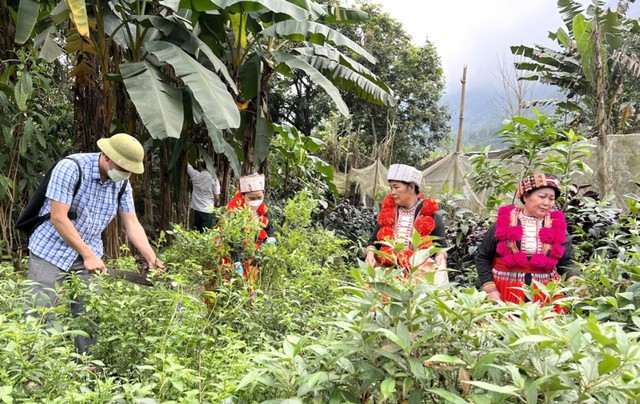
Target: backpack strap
<point>72,213</point>
<point>77,187</point>
<point>122,189</point>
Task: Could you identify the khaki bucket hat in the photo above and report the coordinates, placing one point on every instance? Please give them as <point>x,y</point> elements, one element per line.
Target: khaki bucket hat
<point>125,151</point>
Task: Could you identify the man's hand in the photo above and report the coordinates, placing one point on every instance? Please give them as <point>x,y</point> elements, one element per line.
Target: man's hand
<point>156,263</point>
<point>94,264</point>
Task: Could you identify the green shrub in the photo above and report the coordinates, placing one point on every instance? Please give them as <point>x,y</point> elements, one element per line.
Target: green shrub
<point>395,341</point>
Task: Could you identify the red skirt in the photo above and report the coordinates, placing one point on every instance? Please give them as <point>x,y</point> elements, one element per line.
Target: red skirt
<point>511,285</point>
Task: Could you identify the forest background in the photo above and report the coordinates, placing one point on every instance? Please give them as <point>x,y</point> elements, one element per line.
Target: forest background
<point>298,89</point>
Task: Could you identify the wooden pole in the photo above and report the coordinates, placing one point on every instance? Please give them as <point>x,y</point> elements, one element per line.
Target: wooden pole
<point>375,161</point>
<point>464,86</point>
<point>456,174</point>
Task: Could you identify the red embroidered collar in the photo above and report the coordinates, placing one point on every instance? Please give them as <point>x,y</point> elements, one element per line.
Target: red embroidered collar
<point>424,225</point>
<point>509,233</point>
<point>238,202</point>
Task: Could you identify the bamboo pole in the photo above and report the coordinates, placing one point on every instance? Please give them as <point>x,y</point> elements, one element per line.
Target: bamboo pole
<point>456,174</point>
<point>463,80</point>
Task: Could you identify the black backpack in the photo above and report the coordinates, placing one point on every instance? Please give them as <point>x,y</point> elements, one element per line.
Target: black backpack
<point>29,220</point>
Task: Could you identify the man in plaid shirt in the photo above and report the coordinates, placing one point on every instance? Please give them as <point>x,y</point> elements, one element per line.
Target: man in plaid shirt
<point>62,246</point>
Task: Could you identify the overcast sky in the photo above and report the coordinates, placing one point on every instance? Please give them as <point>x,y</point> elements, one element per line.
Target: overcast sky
<point>478,32</point>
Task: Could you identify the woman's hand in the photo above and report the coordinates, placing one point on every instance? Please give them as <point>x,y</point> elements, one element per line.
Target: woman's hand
<point>370,258</point>
<point>495,295</point>
<point>441,259</point>
<point>492,292</point>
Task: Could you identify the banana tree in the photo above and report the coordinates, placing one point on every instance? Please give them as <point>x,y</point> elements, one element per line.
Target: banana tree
<point>173,78</point>
<point>140,53</point>
<point>260,38</point>
<point>594,63</point>
<point>224,69</point>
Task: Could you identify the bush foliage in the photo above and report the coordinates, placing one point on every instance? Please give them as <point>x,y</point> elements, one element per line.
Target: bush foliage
<point>316,326</point>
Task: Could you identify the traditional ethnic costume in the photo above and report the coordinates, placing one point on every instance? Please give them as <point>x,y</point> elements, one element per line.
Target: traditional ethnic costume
<point>252,183</point>
<point>519,249</point>
<point>396,223</point>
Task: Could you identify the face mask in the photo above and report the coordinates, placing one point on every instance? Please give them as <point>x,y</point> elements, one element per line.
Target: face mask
<point>117,175</point>
<point>255,204</point>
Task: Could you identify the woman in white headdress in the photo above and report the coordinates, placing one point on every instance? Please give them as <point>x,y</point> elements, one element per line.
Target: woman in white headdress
<point>251,193</point>
<point>404,210</point>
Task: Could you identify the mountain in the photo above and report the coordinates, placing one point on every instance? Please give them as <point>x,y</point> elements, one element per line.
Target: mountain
<point>483,114</point>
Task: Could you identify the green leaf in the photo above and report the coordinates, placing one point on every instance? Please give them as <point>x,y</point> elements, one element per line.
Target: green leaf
<point>509,390</point>
<point>315,76</point>
<point>60,12</point>
<point>348,75</point>
<point>608,364</point>
<point>533,339</point>
<point>79,15</point>
<point>264,133</point>
<point>277,6</point>
<point>221,146</point>
<point>27,16</point>
<point>388,387</point>
<point>417,368</point>
<point>315,33</point>
<point>172,4</point>
<point>248,379</point>
<point>238,25</point>
<point>23,90</point>
<point>448,396</point>
<point>159,104</point>
<point>316,10</point>
<point>395,339</point>
<point>403,333</point>
<point>569,9</point>
<point>207,88</point>
<point>313,144</point>
<point>249,76</point>
<point>415,397</point>
<point>180,36</point>
<point>582,35</point>
<point>339,15</point>
<point>49,49</point>
<point>446,359</point>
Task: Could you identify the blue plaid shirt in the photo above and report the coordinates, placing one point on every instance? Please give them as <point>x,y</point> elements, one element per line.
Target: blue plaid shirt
<point>95,204</point>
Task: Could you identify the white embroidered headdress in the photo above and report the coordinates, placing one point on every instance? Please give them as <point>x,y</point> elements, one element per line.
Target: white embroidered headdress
<point>250,183</point>
<point>404,173</point>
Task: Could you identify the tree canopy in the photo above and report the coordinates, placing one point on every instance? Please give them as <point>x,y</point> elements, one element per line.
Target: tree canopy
<point>414,74</point>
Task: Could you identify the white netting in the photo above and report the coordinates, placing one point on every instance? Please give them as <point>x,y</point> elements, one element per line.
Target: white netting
<point>371,181</point>
<point>451,171</point>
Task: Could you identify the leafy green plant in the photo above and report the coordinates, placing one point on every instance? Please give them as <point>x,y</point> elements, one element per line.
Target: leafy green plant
<point>293,161</point>
<point>31,139</point>
<point>396,340</point>
<point>353,223</point>
<point>464,233</point>
<point>530,145</point>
